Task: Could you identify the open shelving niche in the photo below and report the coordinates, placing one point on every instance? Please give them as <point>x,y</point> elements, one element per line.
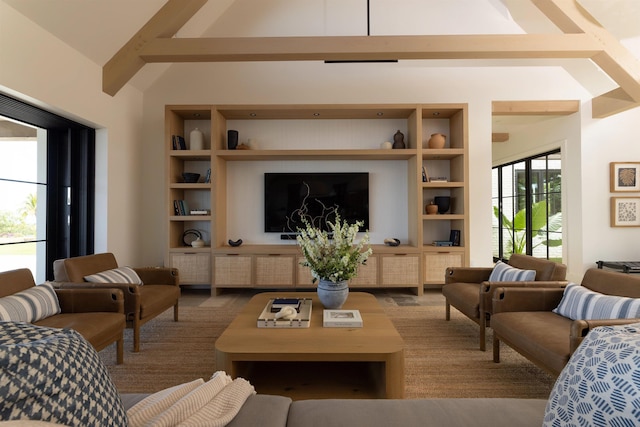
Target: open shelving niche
<point>340,130</point>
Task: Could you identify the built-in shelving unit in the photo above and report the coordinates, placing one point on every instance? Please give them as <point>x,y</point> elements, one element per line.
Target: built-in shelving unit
<point>410,265</point>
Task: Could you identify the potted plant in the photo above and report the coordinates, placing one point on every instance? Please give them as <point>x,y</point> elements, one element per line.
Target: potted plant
<point>333,255</point>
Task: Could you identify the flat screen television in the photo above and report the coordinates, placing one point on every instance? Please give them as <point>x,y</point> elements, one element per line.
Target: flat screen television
<point>285,194</point>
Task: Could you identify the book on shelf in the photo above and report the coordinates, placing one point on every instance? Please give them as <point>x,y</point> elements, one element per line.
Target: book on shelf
<point>199,212</point>
<point>442,243</point>
<point>180,207</point>
<point>178,142</point>
<point>302,318</point>
<point>341,319</point>
<point>207,177</point>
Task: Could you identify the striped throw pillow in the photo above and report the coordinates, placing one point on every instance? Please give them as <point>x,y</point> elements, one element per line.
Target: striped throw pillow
<point>503,272</point>
<point>30,305</point>
<point>115,275</point>
<point>580,303</point>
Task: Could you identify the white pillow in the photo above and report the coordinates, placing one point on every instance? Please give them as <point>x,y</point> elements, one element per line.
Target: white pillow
<point>30,305</point>
<point>115,275</point>
<point>582,303</point>
<point>600,385</point>
<point>503,272</point>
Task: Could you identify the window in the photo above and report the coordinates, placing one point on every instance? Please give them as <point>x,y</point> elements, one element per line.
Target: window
<point>527,207</point>
<point>47,187</point>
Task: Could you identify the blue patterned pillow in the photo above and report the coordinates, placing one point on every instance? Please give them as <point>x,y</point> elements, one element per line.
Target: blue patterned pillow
<point>30,305</point>
<point>503,272</point>
<point>582,303</point>
<point>55,375</point>
<point>600,386</point>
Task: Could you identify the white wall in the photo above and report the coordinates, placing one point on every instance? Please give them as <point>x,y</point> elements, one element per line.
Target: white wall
<point>40,69</point>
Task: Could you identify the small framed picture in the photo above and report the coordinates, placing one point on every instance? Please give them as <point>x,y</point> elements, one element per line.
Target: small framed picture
<point>625,211</point>
<point>624,176</point>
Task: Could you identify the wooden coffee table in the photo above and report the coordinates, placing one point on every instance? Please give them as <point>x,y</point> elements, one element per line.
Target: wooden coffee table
<point>315,362</point>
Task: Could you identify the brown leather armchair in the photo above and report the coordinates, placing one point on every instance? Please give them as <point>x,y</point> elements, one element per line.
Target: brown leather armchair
<point>523,319</point>
<point>160,289</point>
<point>468,289</point>
<point>97,314</point>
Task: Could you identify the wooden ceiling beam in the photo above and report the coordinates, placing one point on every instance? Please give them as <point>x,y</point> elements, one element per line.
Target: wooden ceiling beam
<point>534,108</point>
<point>165,23</point>
<point>518,46</point>
<point>614,59</point>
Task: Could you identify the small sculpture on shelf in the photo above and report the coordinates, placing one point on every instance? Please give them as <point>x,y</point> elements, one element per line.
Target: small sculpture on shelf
<point>398,140</point>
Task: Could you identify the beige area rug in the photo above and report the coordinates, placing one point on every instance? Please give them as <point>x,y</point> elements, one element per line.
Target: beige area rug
<point>441,360</point>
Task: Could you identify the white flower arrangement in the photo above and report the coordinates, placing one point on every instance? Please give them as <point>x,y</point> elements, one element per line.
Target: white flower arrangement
<point>333,255</point>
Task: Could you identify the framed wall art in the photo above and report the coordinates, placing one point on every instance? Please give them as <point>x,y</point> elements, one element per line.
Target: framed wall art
<point>625,176</point>
<point>625,211</point>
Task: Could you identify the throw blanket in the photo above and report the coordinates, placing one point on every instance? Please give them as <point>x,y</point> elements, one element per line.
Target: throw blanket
<point>198,403</point>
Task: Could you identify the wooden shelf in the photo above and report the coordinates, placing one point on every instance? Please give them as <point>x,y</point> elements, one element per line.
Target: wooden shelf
<point>442,153</point>
<point>238,266</point>
<point>237,155</point>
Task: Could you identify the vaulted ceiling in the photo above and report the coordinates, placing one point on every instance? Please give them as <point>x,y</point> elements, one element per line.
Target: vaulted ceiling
<point>597,41</point>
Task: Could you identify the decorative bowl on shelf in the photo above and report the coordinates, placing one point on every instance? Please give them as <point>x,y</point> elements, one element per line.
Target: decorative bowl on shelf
<point>190,177</point>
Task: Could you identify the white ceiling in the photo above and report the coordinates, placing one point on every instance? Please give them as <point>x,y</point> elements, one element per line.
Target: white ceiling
<point>98,28</point>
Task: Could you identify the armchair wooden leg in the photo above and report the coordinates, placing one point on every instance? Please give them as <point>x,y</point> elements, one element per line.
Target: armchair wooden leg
<point>136,335</point>
<point>120,350</point>
<point>483,332</point>
<point>496,348</point>
<point>175,312</point>
<point>447,311</point>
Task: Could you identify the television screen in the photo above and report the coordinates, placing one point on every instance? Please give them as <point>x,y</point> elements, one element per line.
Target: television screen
<point>288,196</point>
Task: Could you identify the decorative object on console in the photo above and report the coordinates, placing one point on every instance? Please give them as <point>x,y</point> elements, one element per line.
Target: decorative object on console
<point>232,139</point>
<point>624,176</point>
<point>437,140</point>
<point>398,140</point>
<point>190,235</point>
<point>198,243</point>
<point>235,243</point>
<point>392,241</point>
<point>190,177</point>
<point>431,208</point>
<point>443,202</point>
<point>196,140</point>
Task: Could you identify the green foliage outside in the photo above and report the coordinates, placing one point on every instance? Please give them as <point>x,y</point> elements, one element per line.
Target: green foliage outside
<point>16,227</point>
<point>516,229</point>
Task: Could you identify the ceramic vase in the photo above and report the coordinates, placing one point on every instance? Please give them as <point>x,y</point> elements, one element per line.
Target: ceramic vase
<point>443,202</point>
<point>232,139</point>
<point>437,140</point>
<point>431,208</point>
<point>333,295</point>
<point>196,140</point>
